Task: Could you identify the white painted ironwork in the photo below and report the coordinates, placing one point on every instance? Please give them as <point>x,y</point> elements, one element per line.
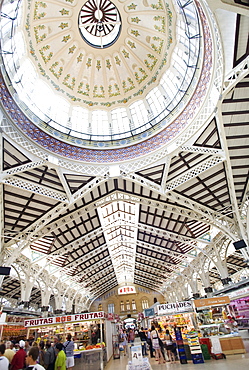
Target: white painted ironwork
<point>193,172</point>
<point>35,188</point>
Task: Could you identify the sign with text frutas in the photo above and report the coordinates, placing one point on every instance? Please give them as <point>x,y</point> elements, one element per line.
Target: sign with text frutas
<point>175,307</point>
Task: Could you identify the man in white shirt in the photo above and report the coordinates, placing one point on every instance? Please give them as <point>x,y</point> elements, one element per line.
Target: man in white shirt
<point>4,362</point>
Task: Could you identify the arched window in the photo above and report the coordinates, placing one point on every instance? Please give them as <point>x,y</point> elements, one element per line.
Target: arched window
<point>122,306</point>
<point>133,304</point>
<point>128,306</point>
<point>100,308</point>
<point>145,303</point>
<point>110,307</point>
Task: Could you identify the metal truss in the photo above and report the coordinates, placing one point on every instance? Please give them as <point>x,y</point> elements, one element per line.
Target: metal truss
<point>38,229</point>
<point>156,249</point>
<point>154,284</point>
<point>237,74</point>
<point>193,172</point>
<point>201,150</point>
<point>138,264</point>
<point>20,169</point>
<point>155,260</point>
<point>35,188</point>
<point>195,210</point>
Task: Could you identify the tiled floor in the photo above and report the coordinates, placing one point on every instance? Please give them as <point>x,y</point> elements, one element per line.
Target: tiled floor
<point>232,362</point>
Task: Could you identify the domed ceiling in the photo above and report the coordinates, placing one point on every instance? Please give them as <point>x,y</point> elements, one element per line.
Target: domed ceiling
<point>105,75</point>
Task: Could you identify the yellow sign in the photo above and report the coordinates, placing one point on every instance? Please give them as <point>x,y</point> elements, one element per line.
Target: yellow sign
<point>214,301</point>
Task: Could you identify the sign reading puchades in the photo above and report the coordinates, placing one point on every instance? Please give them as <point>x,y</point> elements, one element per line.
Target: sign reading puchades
<point>126,290</point>
<point>65,319</point>
<point>176,307</point>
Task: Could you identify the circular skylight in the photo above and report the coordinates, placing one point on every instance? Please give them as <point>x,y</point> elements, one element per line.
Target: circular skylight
<point>120,86</point>
<point>99,23</point>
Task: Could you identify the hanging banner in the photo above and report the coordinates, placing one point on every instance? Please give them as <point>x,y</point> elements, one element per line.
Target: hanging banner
<point>176,307</point>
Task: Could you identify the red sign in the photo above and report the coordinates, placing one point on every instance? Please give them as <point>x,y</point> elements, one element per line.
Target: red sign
<point>126,290</point>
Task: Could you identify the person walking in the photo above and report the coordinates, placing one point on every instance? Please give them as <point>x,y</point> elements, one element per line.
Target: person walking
<point>156,345</point>
<point>123,341</point>
<point>131,336</point>
<point>143,338</point>
<point>69,350</point>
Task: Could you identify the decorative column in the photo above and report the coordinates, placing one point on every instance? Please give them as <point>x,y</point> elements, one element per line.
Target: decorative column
<point>26,288</point>
<point>45,297</point>
<point>206,282</point>
<point>58,303</point>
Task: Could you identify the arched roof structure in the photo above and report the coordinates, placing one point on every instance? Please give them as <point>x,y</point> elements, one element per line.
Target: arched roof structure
<point>125,145</point>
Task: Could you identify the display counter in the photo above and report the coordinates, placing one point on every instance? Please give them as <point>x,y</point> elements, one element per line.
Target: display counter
<point>228,344</point>
<point>232,345</point>
<point>89,359</point>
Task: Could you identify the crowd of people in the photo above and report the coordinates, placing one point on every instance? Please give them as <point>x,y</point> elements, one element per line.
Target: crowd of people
<point>49,355</point>
<point>159,343</point>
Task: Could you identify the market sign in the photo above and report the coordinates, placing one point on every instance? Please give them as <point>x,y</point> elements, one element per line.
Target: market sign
<point>65,319</point>
<point>243,292</point>
<point>214,301</point>
<point>149,312</point>
<point>126,290</point>
<point>176,307</point>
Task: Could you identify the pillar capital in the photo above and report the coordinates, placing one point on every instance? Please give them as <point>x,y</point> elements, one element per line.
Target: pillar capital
<point>226,280</point>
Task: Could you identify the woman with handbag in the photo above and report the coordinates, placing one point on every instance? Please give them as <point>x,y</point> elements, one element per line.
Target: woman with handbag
<point>156,345</point>
<point>123,341</point>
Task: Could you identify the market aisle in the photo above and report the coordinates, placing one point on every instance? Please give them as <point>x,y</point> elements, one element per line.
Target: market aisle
<point>232,362</point>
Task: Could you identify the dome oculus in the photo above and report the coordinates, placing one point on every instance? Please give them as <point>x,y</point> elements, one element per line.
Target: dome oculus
<point>99,23</point>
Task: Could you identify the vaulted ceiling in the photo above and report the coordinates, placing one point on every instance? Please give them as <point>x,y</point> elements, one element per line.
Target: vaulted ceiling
<point>92,225</point>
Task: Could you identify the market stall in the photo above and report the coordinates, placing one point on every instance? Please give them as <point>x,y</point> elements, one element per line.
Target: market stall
<point>91,332</point>
<point>215,324</point>
<point>12,327</point>
<point>179,319</point>
<point>177,315</point>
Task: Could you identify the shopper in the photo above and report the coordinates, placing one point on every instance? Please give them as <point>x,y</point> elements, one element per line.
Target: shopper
<point>156,345</point>
<point>123,341</point>
<point>9,353</point>
<point>18,361</point>
<point>169,345</point>
<point>131,336</point>
<point>69,350</point>
<point>49,358</point>
<point>60,362</point>
<point>32,358</point>
<point>143,338</point>
<point>4,362</point>
<point>149,341</point>
<point>27,346</point>
<point>41,353</point>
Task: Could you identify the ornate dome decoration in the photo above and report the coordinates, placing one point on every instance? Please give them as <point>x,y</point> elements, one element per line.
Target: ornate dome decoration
<point>99,23</point>
<point>126,90</point>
